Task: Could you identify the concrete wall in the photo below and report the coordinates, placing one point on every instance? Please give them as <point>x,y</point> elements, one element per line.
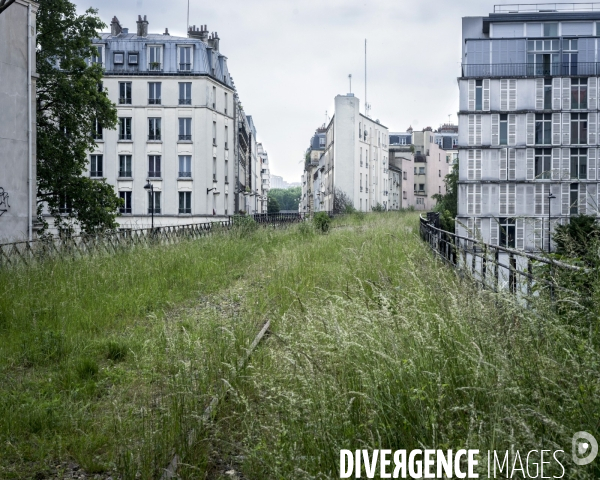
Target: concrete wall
<point>14,131</point>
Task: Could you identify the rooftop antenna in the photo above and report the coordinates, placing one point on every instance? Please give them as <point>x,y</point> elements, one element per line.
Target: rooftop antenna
<point>449,122</point>
<point>326,118</point>
<point>350,79</point>
<point>366,105</point>
<point>188,17</point>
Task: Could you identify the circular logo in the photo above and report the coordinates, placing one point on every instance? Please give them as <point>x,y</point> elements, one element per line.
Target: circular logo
<point>584,448</point>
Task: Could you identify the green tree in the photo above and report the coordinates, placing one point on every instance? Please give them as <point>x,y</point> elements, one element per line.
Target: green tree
<point>272,205</point>
<point>70,99</point>
<point>578,238</point>
<point>288,198</point>
<point>447,204</point>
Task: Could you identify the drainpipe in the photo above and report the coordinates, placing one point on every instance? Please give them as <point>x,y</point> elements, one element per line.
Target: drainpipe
<point>29,130</point>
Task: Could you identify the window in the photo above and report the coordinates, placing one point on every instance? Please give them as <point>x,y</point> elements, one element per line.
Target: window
<point>154,166</point>
<point>225,100</point>
<point>185,202</point>
<point>154,129</point>
<point>550,29</point>
<point>185,166</point>
<point>185,129</point>
<point>96,166</point>
<point>478,94</point>
<point>404,175</point>
<point>125,166</point>
<point>579,93</point>
<point>125,93</point>
<point>404,195</point>
<point>569,58</point>
<point>155,58</point>
<point>66,204</point>
<point>214,169</point>
<point>421,187</point>
<point>547,93</point>
<point>185,59</point>
<point>153,202</point>
<point>214,98</point>
<point>579,163</point>
<point>578,128</point>
<point>97,133</point>
<point>214,133</point>
<point>125,128</point>
<point>227,137</point>
<point>507,232</point>
<point>421,170</point>
<point>543,163</point>
<point>126,207</point>
<point>574,197</point>
<point>439,173</point>
<point>439,189</point>
<point>97,55</point>
<point>132,58</point>
<point>415,171</point>
<point>185,93</point>
<point>543,57</point>
<point>118,58</point>
<point>154,93</point>
<point>543,128</point>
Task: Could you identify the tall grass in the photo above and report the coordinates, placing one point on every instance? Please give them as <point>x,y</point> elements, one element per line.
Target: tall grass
<point>111,362</point>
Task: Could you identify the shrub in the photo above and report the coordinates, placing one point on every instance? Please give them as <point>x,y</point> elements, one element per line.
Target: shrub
<point>321,222</point>
<point>378,207</point>
<point>244,225</point>
<point>306,229</point>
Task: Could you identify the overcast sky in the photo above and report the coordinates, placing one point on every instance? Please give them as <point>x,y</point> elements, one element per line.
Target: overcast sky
<point>290,58</point>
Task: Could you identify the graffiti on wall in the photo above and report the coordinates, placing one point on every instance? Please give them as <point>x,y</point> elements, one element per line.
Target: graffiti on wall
<point>4,206</point>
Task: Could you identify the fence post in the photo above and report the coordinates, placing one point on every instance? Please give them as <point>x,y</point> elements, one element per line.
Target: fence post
<point>512,277</point>
<point>497,267</point>
<point>484,265</point>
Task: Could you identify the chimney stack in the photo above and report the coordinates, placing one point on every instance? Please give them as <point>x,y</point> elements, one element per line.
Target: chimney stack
<point>166,32</point>
<point>142,26</point>
<point>213,41</point>
<point>115,27</point>
<point>201,33</point>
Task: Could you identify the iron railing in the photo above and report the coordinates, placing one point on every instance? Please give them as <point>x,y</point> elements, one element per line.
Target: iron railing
<point>546,7</point>
<point>578,69</point>
<point>28,252</point>
<point>492,266</point>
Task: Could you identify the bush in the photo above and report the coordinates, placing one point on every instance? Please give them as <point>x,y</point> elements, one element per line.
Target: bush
<point>378,207</point>
<point>306,229</point>
<point>244,225</point>
<point>321,222</point>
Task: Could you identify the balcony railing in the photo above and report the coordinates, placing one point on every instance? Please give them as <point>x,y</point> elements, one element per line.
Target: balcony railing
<point>154,137</point>
<point>154,101</point>
<point>531,70</point>
<point>185,174</point>
<point>96,173</point>
<point>185,137</point>
<point>125,173</point>
<point>185,210</point>
<point>185,66</point>
<point>546,7</point>
<point>156,210</point>
<point>154,173</point>
<point>125,136</point>
<point>185,101</point>
<point>125,210</point>
<point>124,100</point>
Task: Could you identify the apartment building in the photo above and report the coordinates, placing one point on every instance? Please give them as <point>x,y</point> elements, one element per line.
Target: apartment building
<point>402,159</point>
<point>311,164</point>
<point>18,120</point>
<point>178,114</point>
<point>354,160</point>
<point>265,177</point>
<point>528,119</point>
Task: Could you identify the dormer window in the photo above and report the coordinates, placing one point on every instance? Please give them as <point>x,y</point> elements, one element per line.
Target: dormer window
<point>97,56</point>
<point>155,58</point>
<point>132,58</point>
<point>185,58</point>
<point>118,58</point>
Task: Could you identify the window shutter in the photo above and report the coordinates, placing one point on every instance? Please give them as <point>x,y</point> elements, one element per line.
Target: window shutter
<point>477,164</point>
<point>512,95</point>
<point>470,227</point>
<point>530,120</point>
<point>592,206</point>
<point>470,164</point>
<point>495,129</point>
<point>471,106</point>
<point>478,227</point>
<point>566,94</point>
<point>539,193</point>
<point>470,199</point>
<point>539,93</point>
<point>556,164</point>
<point>477,129</point>
<point>471,129</point>
<point>556,99</point>
<point>592,128</point>
<point>512,164</point>
<point>566,163</point>
<point>592,93</point>
<point>530,163</point>
<point>486,95</point>
<point>520,234</point>
<point>565,198</point>
<point>537,233</point>
<point>592,160</point>
<point>566,128</point>
<point>556,129</point>
<point>512,196</point>
<point>582,199</point>
<point>503,166</point>
<point>493,231</point>
<point>503,199</point>
<point>512,129</point>
<point>478,199</point>
<point>503,95</point>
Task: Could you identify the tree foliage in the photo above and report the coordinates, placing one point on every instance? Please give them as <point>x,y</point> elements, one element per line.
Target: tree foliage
<point>578,238</point>
<point>272,205</point>
<point>69,101</point>
<point>342,202</point>
<point>287,198</point>
<point>447,204</point>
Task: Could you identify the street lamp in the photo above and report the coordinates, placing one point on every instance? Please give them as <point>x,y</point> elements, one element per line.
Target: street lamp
<point>150,189</point>
<point>550,196</point>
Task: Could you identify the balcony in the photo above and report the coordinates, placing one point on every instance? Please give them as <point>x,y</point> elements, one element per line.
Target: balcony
<point>546,7</point>
<point>579,69</point>
<point>155,66</point>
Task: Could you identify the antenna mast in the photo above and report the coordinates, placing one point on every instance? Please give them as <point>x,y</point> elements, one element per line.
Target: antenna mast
<point>350,78</point>
<point>366,108</point>
<point>188,18</point>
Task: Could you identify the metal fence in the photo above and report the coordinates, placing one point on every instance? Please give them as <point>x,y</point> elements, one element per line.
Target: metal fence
<point>495,267</point>
<point>12,254</point>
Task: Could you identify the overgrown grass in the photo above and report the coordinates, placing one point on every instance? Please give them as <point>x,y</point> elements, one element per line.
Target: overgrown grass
<point>110,362</point>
